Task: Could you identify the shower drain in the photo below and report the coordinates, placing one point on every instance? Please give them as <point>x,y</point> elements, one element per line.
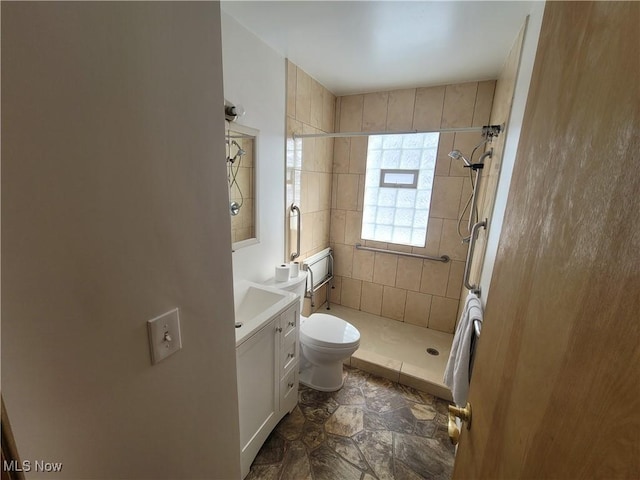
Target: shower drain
<point>432,351</point>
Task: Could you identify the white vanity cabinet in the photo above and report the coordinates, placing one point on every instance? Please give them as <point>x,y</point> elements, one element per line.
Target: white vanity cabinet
<point>267,365</point>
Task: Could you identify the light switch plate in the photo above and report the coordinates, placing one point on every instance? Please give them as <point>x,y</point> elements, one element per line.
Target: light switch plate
<point>164,335</point>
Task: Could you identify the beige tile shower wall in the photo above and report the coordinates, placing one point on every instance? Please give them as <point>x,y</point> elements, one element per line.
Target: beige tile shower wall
<point>505,87</point>
<point>310,109</point>
<point>421,292</point>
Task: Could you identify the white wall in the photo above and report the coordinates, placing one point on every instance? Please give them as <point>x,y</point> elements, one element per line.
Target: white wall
<point>113,212</point>
<point>514,129</point>
<point>254,77</point>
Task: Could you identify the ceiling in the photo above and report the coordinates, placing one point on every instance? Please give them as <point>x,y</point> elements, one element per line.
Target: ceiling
<point>365,46</point>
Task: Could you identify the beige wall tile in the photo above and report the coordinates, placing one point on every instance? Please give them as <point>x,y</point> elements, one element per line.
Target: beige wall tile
<point>347,194</point>
<point>409,273</point>
<point>334,191</point>
<point>291,88</point>
<point>316,104</point>
<point>445,197</point>
<point>432,244</point>
<point>358,155</point>
<point>361,182</point>
<point>363,265</point>
<point>336,118</point>
<point>328,110</point>
<point>443,161</point>
<point>459,101</point>
<point>303,96</point>
<point>400,110</point>
<point>428,108</point>
<point>353,228</point>
<point>455,279</point>
<point>342,260</point>
<point>308,149</point>
<point>484,102</point>
<point>320,154</point>
<point>435,276</point>
<point>443,314</point>
<point>417,308</point>
<point>371,299</point>
<point>306,236</point>
<point>464,198</point>
<point>320,232</point>
<point>351,113</point>
<point>384,270</point>
<point>505,84</point>
<point>306,307</point>
<point>374,111</point>
<point>313,190</point>
<point>324,155</point>
<point>325,191</point>
<point>450,243</point>
<point>336,292</point>
<point>341,151</point>
<point>393,302</point>
<point>434,233</point>
<point>351,291</point>
<point>338,218</point>
<point>319,298</point>
<point>303,201</point>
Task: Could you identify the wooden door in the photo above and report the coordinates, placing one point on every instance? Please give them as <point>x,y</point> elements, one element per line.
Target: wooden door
<point>556,384</point>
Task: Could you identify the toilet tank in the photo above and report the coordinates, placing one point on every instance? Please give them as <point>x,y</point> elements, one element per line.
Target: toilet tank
<point>297,285</point>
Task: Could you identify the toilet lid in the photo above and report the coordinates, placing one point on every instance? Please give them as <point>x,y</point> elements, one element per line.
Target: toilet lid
<point>325,330</point>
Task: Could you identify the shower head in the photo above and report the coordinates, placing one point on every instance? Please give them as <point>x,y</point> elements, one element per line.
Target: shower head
<point>457,155</point>
<point>239,153</point>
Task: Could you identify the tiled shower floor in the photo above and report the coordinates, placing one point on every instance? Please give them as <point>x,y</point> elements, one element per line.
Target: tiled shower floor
<point>372,428</point>
<point>398,351</point>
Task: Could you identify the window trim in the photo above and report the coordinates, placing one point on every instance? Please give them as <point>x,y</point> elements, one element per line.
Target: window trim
<point>384,171</point>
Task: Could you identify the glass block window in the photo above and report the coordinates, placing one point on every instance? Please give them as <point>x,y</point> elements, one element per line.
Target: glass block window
<point>397,193</point>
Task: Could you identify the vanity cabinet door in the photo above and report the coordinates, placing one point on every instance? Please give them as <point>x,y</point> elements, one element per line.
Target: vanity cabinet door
<point>258,396</point>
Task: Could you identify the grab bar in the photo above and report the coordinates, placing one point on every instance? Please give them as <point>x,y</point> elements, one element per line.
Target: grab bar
<point>296,254</point>
<point>467,266</point>
<point>443,258</point>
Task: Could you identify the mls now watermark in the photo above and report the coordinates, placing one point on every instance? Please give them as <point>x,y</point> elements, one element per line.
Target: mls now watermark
<point>31,466</point>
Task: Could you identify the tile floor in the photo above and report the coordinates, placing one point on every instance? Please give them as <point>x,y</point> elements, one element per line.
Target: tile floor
<point>372,428</point>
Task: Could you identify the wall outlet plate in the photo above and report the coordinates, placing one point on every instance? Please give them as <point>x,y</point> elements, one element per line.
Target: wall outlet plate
<point>164,335</point>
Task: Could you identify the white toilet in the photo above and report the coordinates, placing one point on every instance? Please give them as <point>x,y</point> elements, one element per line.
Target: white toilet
<point>325,340</point>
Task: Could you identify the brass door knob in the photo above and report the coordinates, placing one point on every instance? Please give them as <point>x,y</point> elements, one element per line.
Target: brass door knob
<point>463,414</point>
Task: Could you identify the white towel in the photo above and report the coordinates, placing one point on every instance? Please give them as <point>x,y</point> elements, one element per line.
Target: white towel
<point>456,375</point>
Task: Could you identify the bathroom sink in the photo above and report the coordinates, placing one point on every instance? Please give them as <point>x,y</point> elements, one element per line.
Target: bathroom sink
<point>255,305</point>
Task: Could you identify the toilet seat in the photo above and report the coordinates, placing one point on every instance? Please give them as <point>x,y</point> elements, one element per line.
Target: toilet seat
<point>327,331</point>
